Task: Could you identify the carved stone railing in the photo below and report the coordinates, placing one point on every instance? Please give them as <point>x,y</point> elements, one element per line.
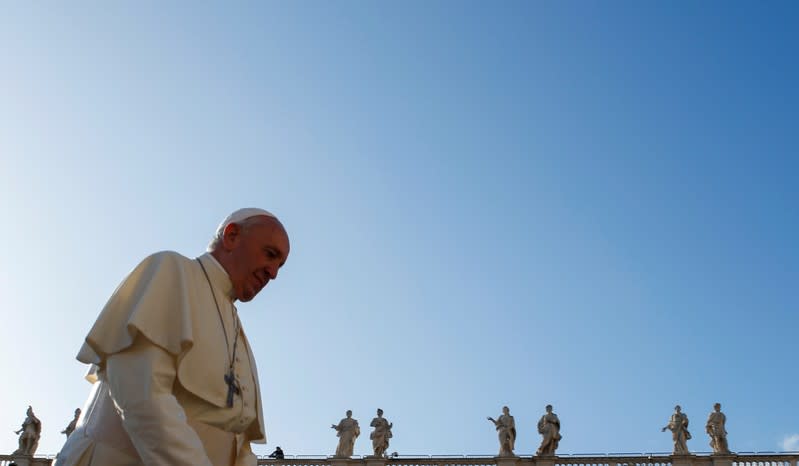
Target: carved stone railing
<point>743,459</point>
<point>24,460</point>
<point>659,459</point>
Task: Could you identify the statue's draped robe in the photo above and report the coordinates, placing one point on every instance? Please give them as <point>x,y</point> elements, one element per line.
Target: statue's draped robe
<point>718,434</point>
<point>678,424</point>
<point>380,435</point>
<point>29,437</point>
<point>506,432</point>
<point>348,430</point>
<point>549,427</point>
<point>159,356</point>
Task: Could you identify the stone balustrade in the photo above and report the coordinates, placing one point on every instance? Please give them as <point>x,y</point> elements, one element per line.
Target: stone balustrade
<point>742,459</point>
<point>23,460</point>
<point>754,459</point>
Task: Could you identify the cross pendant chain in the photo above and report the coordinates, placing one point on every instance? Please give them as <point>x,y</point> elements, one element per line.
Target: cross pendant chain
<point>232,388</point>
<point>232,385</point>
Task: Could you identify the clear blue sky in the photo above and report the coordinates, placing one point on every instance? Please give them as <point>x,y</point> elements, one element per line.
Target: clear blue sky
<point>588,204</point>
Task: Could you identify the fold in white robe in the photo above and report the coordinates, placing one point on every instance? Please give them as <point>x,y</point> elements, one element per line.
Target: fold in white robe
<point>159,356</point>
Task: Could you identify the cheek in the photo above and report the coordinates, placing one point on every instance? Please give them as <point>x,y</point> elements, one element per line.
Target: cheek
<point>240,271</point>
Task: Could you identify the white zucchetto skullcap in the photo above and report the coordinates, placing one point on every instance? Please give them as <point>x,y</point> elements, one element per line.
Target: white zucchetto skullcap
<point>241,215</point>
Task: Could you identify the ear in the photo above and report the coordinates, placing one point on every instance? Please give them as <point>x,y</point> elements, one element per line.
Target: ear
<point>230,236</point>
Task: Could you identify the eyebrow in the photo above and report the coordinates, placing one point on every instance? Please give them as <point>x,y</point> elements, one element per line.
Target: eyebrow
<point>279,253</point>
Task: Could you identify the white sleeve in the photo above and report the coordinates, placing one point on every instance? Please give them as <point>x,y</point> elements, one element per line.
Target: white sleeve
<point>140,381</point>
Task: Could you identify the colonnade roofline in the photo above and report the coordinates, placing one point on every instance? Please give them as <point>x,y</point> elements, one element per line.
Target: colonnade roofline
<point>561,455</point>
<point>594,459</point>
<point>764,458</point>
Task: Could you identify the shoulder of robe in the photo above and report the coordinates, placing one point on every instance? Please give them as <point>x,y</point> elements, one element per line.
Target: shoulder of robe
<point>166,259</point>
<point>162,265</point>
<point>147,301</point>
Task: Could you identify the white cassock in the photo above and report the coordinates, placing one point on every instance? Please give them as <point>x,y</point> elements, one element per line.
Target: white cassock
<point>159,359</point>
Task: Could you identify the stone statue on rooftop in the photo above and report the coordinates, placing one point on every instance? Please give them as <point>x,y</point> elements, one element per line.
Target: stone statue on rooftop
<point>549,428</point>
<point>506,432</point>
<point>678,425</point>
<point>347,431</point>
<point>72,424</point>
<point>715,428</point>
<point>30,432</point>
<point>381,434</point>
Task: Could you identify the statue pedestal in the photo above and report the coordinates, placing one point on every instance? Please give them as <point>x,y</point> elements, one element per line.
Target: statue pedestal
<point>681,460</point>
<point>507,460</point>
<point>545,460</point>
<point>338,461</point>
<point>722,459</point>
<point>23,460</point>
<point>379,461</point>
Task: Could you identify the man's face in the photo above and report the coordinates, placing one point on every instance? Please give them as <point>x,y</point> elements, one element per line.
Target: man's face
<point>257,252</point>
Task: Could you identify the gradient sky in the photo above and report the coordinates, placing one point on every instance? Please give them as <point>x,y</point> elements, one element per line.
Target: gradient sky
<point>589,204</point>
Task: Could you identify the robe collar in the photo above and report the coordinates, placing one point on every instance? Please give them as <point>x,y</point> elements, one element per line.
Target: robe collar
<point>218,276</point>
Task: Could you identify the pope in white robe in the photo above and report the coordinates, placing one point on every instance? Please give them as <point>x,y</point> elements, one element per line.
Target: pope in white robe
<point>174,381</point>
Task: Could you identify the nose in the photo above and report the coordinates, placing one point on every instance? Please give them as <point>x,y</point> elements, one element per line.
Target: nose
<point>271,271</point>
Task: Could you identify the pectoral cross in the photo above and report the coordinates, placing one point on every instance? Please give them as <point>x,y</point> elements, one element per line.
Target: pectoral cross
<point>232,388</point>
